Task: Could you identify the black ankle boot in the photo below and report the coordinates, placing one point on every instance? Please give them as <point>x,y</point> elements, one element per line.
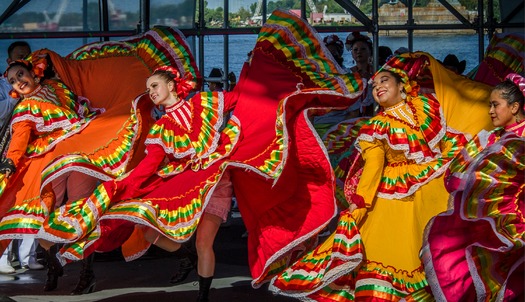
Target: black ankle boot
<point>204,288</point>
<point>86,283</point>
<point>188,262</point>
<point>54,268</point>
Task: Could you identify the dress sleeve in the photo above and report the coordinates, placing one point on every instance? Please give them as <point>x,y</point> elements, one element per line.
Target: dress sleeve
<point>130,186</point>
<point>374,157</point>
<point>21,133</point>
<point>230,100</point>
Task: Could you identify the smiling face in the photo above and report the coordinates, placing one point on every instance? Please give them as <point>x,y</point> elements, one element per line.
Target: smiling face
<point>159,90</point>
<point>386,89</point>
<point>22,80</point>
<point>501,113</point>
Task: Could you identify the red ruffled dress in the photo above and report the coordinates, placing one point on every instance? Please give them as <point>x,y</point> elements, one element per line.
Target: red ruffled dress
<point>279,168</point>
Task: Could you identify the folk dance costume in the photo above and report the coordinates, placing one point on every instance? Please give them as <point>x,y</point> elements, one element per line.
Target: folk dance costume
<point>505,54</point>
<point>55,121</point>
<point>474,251</point>
<point>373,255</point>
<point>279,170</point>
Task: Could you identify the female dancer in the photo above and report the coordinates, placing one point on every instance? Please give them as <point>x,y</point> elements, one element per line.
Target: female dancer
<point>51,121</point>
<point>267,143</point>
<point>47,114</point>
<point>373,254</point>
<point>481,238</point>
<point>186,136</point>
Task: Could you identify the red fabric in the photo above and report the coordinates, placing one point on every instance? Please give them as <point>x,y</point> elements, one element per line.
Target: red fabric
<point>302,200</point>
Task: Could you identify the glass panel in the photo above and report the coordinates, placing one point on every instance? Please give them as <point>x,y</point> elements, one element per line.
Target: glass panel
<point>213,56</point>
<point>464,47</point>
<point>123,14</point>
<point>214,13</point>
<point>56,45</point>
<point>241,13</point>
<point>176,13</point>
<point>52,15</point>
<point>395,12</point>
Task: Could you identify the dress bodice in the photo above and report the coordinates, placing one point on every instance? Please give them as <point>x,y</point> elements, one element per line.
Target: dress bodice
<point>415,144</point>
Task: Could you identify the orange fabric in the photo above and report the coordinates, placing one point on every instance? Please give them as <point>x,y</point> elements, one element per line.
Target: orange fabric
<point>17,147</point>
<point>110,83</point>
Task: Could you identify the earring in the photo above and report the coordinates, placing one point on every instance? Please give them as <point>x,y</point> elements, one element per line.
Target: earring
<point>37,80</point>
<point>403,95</point>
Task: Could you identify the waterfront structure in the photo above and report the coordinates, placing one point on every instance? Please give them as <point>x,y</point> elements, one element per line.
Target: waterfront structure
<point>105,19</point>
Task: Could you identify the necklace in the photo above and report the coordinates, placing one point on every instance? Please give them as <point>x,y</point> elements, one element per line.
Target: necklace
<point>412,109</point>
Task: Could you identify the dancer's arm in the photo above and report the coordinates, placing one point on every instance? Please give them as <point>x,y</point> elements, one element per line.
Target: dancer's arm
<point>374,156</point>
<point>130,186</point>
<point>21,133</point>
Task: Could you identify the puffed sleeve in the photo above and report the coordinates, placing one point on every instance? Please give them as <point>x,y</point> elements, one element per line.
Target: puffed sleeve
<point>374,156</point>
<point>230,100</point>
<point>21,133</point>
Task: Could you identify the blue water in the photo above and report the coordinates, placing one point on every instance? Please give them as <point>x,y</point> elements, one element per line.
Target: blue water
<point>465,47</point>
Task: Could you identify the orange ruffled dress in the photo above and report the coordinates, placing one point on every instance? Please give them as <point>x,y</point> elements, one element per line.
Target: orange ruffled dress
<point>406,150</point>
<point>58,122</point>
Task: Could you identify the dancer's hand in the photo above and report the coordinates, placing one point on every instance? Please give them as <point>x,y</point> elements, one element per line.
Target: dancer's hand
<point>358,214</point>
<point>7,167</point>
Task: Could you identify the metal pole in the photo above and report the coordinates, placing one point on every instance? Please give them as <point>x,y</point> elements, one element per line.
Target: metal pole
<point>303,9</point>
<point>84,19</point>
<point>375,32</point>
<point>105,17</point>
<point>410,22</point>
<point>481,44</point>
<point>144,16</point>
<point>201,36</point>
<point>226,41</point>
<point>490,19</point>
<point>264,12</point>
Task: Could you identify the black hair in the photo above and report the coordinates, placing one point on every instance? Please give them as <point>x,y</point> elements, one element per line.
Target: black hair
<point>383,52</point>
<point>364,39</point>
<point>15,44</point>
<point>48,72</point>
<point>511,93</point>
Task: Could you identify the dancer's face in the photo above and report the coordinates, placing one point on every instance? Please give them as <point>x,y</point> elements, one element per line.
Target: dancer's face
<point>361,52</point>
<point>160,90</point>
<point>501,113</point>
<point>386,89</point>
<point>22,80</point>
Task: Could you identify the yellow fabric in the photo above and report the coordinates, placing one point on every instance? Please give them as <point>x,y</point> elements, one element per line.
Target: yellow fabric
<point>464,102</point>
<point>396,226</point>
<point>359,214</point>
<point>374,156</point>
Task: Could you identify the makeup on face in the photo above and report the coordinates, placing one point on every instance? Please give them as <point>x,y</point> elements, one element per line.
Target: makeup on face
<point>500,111</point>
<point>386,90</point>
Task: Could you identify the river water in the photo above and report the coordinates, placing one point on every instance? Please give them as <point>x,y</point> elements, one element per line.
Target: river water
<point>465,47</point>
